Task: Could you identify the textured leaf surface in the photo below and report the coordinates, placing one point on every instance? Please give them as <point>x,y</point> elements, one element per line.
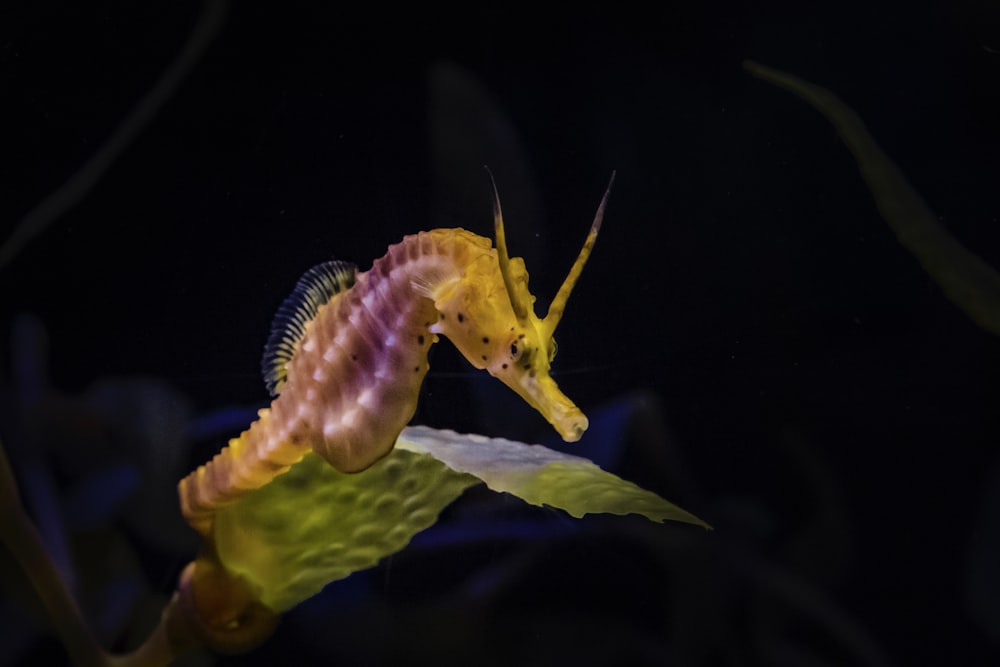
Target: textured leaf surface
<point>314,525</point>
<point>541,476</point>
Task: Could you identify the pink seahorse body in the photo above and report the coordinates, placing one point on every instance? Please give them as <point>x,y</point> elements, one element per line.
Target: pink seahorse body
<point>354,378</point>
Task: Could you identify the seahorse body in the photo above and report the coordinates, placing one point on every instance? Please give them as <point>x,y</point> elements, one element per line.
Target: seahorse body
<point>354,377</point>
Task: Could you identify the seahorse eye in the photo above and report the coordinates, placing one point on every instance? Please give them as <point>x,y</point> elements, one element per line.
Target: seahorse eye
<point>521,351</point>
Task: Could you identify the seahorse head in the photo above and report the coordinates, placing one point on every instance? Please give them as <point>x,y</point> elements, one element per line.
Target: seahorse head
<point>489,316</point>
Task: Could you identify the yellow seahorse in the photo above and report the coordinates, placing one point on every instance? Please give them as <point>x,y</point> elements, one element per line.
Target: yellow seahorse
<point>348,355</point>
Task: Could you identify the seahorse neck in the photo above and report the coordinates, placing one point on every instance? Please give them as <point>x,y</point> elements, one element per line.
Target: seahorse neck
<point>420,263</point>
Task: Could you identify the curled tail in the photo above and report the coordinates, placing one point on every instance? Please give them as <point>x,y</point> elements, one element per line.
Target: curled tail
<point>249,462</point>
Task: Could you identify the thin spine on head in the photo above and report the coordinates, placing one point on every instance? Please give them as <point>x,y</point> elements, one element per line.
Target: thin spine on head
<point>558,304</point>
<point>520,308</point>
<point>503,334</point>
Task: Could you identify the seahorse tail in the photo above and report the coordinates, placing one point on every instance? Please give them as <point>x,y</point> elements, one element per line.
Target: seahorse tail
<point>249,462</point>
<point>219,609</point>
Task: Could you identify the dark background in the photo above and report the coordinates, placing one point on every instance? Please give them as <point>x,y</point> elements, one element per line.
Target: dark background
<point>828,409</point>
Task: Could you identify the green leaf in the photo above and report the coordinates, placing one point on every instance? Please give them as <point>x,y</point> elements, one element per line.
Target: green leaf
<point>966,279</point>
<point>541,476</point>
<point>313,525</point>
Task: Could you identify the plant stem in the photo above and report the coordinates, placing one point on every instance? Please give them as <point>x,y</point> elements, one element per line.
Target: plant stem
<point>19,535</point>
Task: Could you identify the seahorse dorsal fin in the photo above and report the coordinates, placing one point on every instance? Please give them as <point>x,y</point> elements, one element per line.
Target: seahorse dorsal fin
<point>315,288</point>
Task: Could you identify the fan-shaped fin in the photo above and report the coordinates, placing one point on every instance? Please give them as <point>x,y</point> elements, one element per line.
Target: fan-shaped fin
<point>314,289</point>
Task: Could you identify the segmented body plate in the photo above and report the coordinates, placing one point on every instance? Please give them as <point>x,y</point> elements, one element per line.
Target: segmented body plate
<point>353,381</point>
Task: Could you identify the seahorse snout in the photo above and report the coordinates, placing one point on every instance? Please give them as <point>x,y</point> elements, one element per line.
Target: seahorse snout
<point>543,394</point>
<point>571,425</point>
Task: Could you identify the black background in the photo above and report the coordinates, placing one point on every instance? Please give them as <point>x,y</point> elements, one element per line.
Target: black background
<point>744,280</point>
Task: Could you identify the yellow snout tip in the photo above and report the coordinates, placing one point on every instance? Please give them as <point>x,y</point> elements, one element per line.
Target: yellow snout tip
<point>572,427</point>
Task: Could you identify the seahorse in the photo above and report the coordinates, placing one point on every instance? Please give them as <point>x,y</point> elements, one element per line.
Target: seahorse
<point>348,354</point>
